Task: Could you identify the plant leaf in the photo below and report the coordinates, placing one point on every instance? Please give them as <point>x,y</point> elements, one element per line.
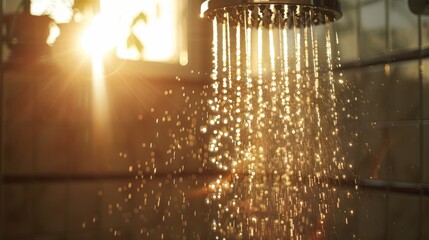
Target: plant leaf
<point>140,17</point>
<point>134,41</point>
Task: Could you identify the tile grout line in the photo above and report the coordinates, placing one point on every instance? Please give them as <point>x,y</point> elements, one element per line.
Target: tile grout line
<point>387,191</point>
<point>1,127</point>
<point>420,70</point>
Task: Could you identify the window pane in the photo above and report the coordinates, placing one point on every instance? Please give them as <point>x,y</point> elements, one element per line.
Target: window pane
<point>148,30</point>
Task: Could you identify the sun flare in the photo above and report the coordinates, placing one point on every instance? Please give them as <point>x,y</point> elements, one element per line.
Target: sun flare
<point>101,36</point>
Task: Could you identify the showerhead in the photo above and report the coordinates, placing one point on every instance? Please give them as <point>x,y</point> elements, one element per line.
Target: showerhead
<point>285,12</point>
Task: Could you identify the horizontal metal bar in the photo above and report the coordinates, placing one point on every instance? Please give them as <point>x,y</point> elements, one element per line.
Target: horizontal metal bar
<point>396,187</point>
<point>365,184</point>
<point>399,123</point>
<point>386,59</point>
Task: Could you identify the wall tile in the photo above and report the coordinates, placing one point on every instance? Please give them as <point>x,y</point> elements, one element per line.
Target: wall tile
<point>372,215</point>
<point>374,105</point>
<point>347,27</point>
<point>403,217</point>
<point>373,28</point>
<point>390,153</point>
<point>425,219</point>
<point>405,154</point>
<point>425,31</point>
<point>155,208</point>
<point>19,150</point>
<point>145,112</point>
<point>18,99</point>
<point>88,235</point>
<point>79,150</point>
<point>51,148</point>
<point>399,153</point>
<point>17,204</point>
<point>49,208</point>
<point>83,207</point>
<point>372,162</point>
<point>404,95</point>
<point>403,27</point>
<point>349,95</point>
<point>425,72</point>
<point>425,156</point>
<point>343,222</point>
<point>350,104</point>
<point>390,92</point>
<point>62,100</point>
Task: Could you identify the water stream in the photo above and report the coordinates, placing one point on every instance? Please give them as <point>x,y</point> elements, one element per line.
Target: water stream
<point>273,123</point>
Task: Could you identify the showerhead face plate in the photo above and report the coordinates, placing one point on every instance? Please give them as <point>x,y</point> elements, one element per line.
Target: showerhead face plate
<point>281,13</point>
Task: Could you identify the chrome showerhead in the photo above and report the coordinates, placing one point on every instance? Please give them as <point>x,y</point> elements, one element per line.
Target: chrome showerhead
<point>284,12</point>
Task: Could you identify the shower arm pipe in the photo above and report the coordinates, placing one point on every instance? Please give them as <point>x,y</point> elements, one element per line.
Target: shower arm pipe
<point>419,7</point>
<point>331,6</point>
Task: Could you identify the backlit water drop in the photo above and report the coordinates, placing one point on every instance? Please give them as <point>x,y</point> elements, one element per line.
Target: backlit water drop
<point>258,153</point>
<point>273,124</point>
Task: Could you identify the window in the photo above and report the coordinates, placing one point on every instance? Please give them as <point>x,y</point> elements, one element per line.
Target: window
<point>147,30</point>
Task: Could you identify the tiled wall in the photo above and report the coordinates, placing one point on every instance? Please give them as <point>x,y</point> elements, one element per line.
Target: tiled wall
<point>61,183</point>
<point>61,180</point>
<point>393,104</point>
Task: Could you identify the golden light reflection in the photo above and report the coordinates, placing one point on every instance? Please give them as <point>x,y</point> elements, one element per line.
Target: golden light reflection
<point>97,40</point>
<point>101,128</point>
<point>99,96</point>
<point>272,133</point>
